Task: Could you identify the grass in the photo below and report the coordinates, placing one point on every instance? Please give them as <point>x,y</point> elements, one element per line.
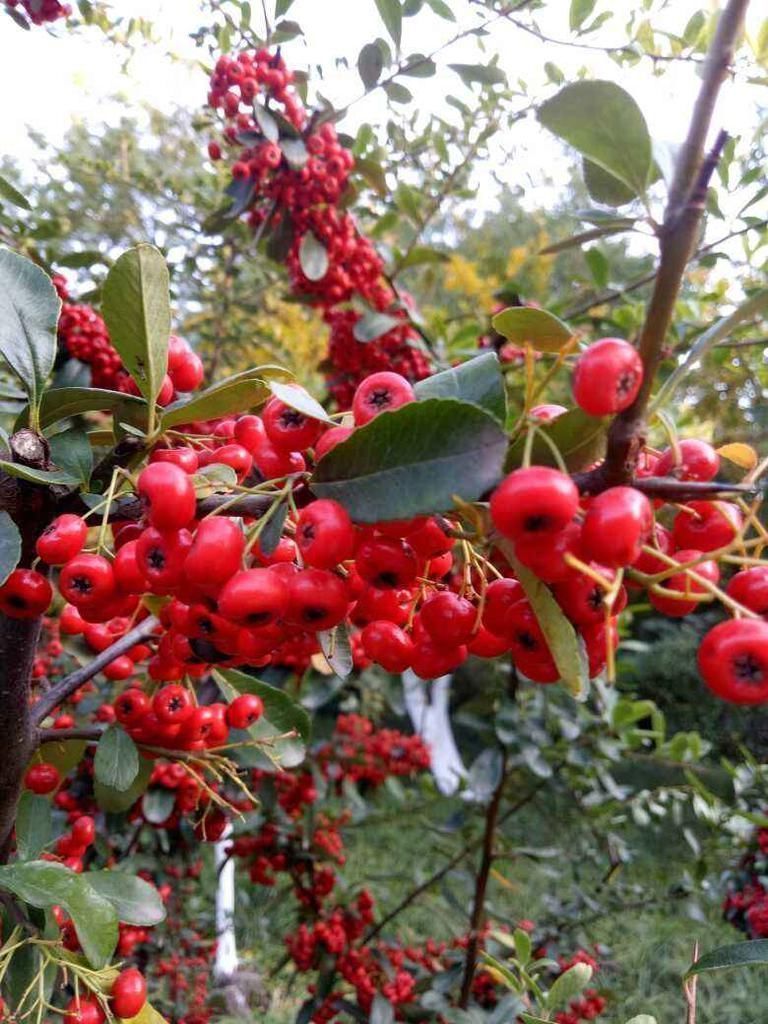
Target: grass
<point>644,951</point>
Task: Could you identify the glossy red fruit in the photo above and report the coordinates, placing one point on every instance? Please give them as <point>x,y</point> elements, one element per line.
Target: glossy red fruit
<point>607,377</point>
<point>318,600</point>
<point>288,429</point>
<point>84,831</point>
<point>524,633</point>
<point>274,464</point>
<point>244,711</point>
<point>71,621</point>
<point>500,595</point>
<point>131,706</point>
<point>547,560</point>
<point>173,704</point>
<point>448,618</point>
<point>682,583</point>
<point>539,668</point>
<point>388,645</point>
<point>83,1011</point>
<point>750,588</point>
<point>694,460</point>
<point>381,392</point>
<point>168,495</point>
<point>42,778</point>
<point>328,440</point>
<point>386,562</point>
<point>429,539</point>
<point>87,579</point>
<point>660,539</point>
<point>129,577</point>
<point>62,539</point>
<point>216,553</point>
<point>236,456</point>
<point>254,597</point>
<point>250,432</point>
<point>212,826</point>
<point>431,660</point>
<point>617,524</point>
<point>185,458</point>
<point>188,374</point>
<point>582,599</point>
<point>26,594</point>
<point>733,660</point>
<point>129,993</point>
<point>161,557</point>
<point>596,640</point>
<point>485,644</point>
<point>534,502</point>
<point>706,525</point>
<point>324,534</point>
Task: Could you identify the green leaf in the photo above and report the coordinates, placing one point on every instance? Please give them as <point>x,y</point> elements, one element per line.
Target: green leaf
<point>568,985</point>
<point>244,391</point>
<point>266,122</point>
<point>24,971</point>
<point>82,258</point>
<point>281,710</point>
<point>281,715</point>
<point>7,191</point>
<point>604,123</point>
<point>614,228</point>
<point>579,438</point>
<point>29,311</point>
<point>62,754</point>
<point>421,254</point>
<point>485,74</point>
<point>136,308</point>
<point>414,460</point>
<point>478,380</point>
<point>398,93</point>
<point>579,12</point>
<point>373,325</point>
<point>313,257</point>
<point>71,451</point>
<point>524,324</point>
<point>370,64</point>
<point>10,546</point>
<point>282,7</point>
<point>45,884</point>
<point>441,8</point>
<point>34,825</point>
<point>373,174</point>
<point>298,398</point>
<point>561,637</point>
<point>135,901</point>
<point>382,1011</point>
<point>391,14</point>
<point>337,650</point>
<point>417,65</point>
<point>116,802</point>
<point>39,476</point>
<point>642,1018</point>
<point>62,403</point>
<point>157,805</point>
<point>484,774</point>
<point>604,187</point>
<point>295,152</point>
<point>116,763</point>
<point>737,954</point>
<point>599,266</point>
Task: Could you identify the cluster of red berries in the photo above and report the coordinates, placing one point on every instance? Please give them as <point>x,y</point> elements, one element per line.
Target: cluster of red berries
<point>126,1000</point>
<point>746,902</point>
<point>41,11</point>
<point>305,195</point>
<point>84,336</point>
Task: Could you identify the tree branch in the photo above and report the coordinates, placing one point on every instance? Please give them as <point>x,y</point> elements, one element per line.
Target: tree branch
<point>90,733</point>
<point>481,886</point>
<point>49,701</point>
<point>669,489</point>
<point>678,235</point>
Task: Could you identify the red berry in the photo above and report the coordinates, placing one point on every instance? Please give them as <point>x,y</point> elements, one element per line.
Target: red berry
<point>616,526</point>
<point>386,562</point>
<point>733,660</point>
<point>173,704</point>
<point>381,392</point>
<point>324,534</point>
<point>388,645</point>
<point>236,457</point>
<point>161,556</point>
<point>212,826</point>
<point>500,595</point>
<point>534,502</point>
<point>255,597</point>
<point>42,778</point>
<point>328,441</point>
<point>431,660</point>
<point>26,594</point>
<point>582,599</point>
<point>706,525</point>
<point>128,573</point>
<point>84,830</point>
<point>129,993</point>
<point>87,580</point>
<point>184,458</point>
<point>62,539</point>
<point>684,584</point>
<point>607,377</point>
<point>750,589</point>
<point>250,432</point>
<point>694,460</point>
<point>288,429</point>
<point>168,495</point>
<point>524,633</point>
<point>547,561</point>
<point>318,600</point>
<point>188,373</point>
<point>83,1011</point>
<point>244,711</point>
<point>216,552</point>
<point>448,618</point>
<point>485,644</point>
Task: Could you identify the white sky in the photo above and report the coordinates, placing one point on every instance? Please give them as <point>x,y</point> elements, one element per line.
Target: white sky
<point>49,78</point>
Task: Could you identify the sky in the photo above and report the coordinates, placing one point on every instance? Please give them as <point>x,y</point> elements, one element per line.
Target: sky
<point>47,78</point>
